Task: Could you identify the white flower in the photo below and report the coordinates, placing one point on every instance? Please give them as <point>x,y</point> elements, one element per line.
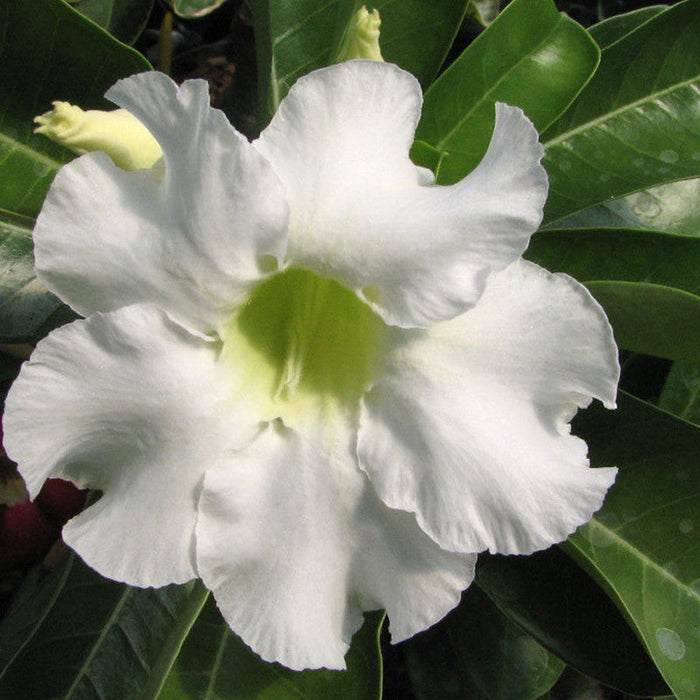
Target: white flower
<point>307,375</point>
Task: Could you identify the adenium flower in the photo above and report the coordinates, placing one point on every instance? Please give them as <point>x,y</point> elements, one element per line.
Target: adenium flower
<point>308,375</point>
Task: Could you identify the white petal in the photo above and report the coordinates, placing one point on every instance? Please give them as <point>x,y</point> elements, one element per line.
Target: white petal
<point>362,213</point>
<point>191,235</point>
<point>403,571</point>
<point>133,405</point>
<point>468,426</point>
<point>295,544</point>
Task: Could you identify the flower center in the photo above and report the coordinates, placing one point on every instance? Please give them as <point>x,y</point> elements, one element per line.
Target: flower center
<point>305,338</point>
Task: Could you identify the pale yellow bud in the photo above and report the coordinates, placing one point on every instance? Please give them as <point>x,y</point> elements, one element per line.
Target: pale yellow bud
<point>362,38</point>
<point>118,133</point>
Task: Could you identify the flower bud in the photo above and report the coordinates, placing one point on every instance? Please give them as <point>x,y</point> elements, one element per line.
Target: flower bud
<point>118,133</point>
<point>362,38</point>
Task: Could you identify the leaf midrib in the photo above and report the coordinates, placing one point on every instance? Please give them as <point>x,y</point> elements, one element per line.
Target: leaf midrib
<point>106,628</point>
<point>17,223</point>
<point>467,115</point>
<point>216,665</point>
<point>298,27</point>
<point>35,155</point>
<point>640,555</point>
<point>617,112</point>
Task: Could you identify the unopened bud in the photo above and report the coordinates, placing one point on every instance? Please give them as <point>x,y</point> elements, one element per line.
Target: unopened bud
<point>118,133</point>
<point>362,38</point>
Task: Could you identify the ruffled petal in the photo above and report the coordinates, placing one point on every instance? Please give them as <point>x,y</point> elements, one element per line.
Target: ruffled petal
<point>399,568</point>
<point>133,405</point>
<point>468,426</point>
<point>191,235</point>
<point>295,544</point>
<point>362,213</point>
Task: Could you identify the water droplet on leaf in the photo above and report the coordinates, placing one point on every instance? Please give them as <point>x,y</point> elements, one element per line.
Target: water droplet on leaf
<point>668,156</point>
<point>670,644</point>
<point>599,536</point>
<point>646,206</point>
<point>688,685</point>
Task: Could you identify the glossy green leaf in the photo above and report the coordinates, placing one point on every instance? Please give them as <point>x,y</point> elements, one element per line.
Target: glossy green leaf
<point>642,545</point>
<point>48,52</point>
<point>650,318</point>
<point>290,39</point>
<point>214,663</point>
<point>293,39</point>
<point>96,638</point>
<point>27,309</point>
<point>614,28</point>
<point>635,125</point>
<point>195,8</point>
<point>477,653</point>
<point>674,207</point>
<point>681,392</point>
<point>555,601</point>
<point>80,62</point>
<point>648,283</point>
<point>621,255</point>
<point>123,19</point>
<point>531,56</point>
<point>31,602</point>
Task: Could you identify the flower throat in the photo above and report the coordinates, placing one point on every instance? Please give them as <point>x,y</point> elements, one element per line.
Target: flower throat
<point>309,336</point>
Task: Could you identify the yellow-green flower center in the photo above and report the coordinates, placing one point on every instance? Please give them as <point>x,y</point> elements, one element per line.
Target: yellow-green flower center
<point>304,339</point>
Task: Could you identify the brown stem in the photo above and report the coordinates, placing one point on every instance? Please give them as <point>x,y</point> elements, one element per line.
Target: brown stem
<point>165,44</point>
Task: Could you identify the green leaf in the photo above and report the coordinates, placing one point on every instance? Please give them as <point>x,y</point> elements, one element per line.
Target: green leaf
<point>96,638</point>
<point>27,309</point>
<point>620,255</point>
<point>79,63</point>
<point>123,19</point>
<point>531,56</point>
<point>681,392</point>
<point>48,52</point>
<point>30,604</point>
<point>555,601</point>
<point>476,652</point>
<point>647,282</point>
<point>614,28</point>
<point>642,545</point>
<point>195,8</point>
<point>214,663</point>
<point>293,39</point>
<point>674,207</point>
<point>635,124</point>
<point>651,319</point>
